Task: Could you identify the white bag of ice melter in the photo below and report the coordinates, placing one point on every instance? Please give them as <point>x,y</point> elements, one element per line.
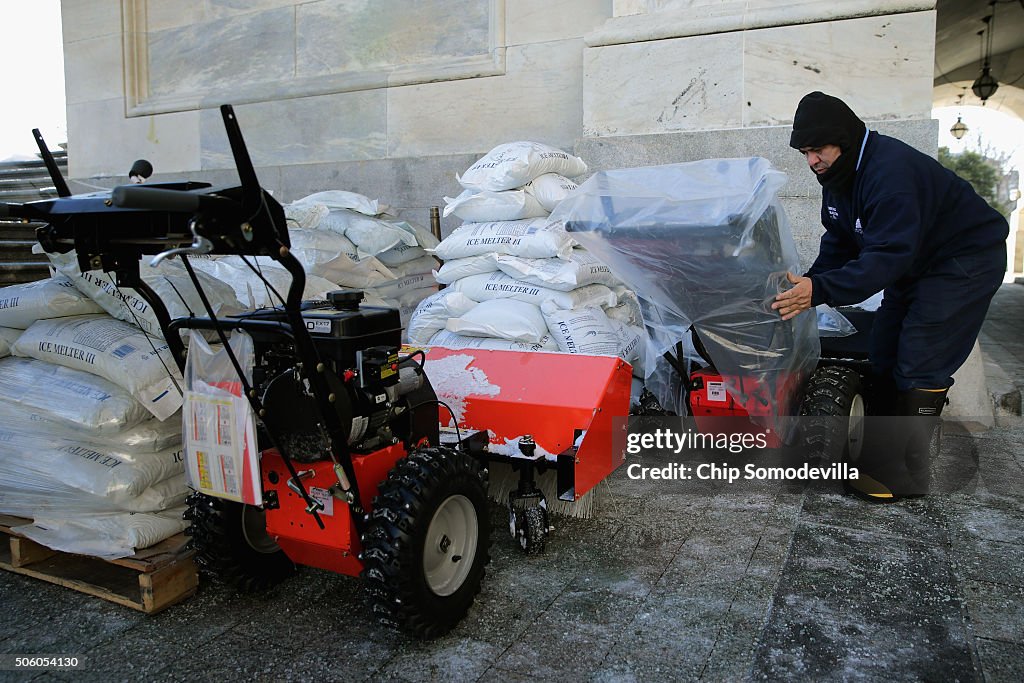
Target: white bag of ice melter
<point>401,253</point>
<point>582,330</point>
<point>150,434</point>
<point>101,471</point>
<point>335,258</point>
<point>396,288</point>
<point>110,536</point>
<point>279,279</point>
<point>532,238</point>
<point>337,199</point>
<point>424,237</point>
<point>8,335</point>
<point>169,493</point>
<point>432,313</point>
<point>450,340</point>
<point>628,309</point>
<point>500,286</point>
<point>410,301</point>
<point>456,269</point>
<point>56,297</point>
<point>508,205</point>
<point>631,345</point>
<point>87,403</point>
<point>578,269</point>
<point>304,216</point>
<point>370,235</point>
<point>251,290</point>
<point>421,266</point>
<point>113,350</point>
<point>169,280</point>
<point>549,189</point>
<point>501,319</point>
<point>516,163</point>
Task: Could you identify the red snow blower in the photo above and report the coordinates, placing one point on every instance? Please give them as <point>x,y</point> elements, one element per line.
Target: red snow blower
<point>320,444</point>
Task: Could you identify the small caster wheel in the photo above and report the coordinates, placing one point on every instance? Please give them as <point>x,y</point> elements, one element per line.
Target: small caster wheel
<point>530,528</point>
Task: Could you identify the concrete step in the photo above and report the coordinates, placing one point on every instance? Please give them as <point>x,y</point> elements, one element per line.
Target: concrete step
<point>28,195</point>
<point>15,272</point>
<point>17,250</point>
<point>16,230</point>
<point>25,182</point>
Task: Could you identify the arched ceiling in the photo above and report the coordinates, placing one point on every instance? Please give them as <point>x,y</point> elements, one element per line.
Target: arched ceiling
<point>958,52</point>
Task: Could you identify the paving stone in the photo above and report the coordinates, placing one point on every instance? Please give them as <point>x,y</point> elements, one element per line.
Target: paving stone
<point>1001,662</point>
<point>855,604</point>
<point>996,610</point>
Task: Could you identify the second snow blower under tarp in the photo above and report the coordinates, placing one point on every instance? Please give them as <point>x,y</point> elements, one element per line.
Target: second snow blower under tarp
<point>706,245</point>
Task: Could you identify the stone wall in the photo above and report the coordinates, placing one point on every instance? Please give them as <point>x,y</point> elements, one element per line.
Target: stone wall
<point>392,99</point>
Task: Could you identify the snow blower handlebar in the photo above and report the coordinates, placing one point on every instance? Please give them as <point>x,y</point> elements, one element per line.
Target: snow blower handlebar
<point>111,232</point>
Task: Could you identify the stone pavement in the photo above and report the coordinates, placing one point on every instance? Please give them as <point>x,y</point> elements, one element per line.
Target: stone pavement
<point>668,582</point>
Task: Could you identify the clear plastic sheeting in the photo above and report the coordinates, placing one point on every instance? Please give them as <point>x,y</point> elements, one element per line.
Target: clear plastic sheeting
<point>832,323</point>
<point>704,244</point>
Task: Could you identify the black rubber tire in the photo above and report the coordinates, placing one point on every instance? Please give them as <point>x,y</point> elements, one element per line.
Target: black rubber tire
<point>533,529</point>
<point>832,392</point>
<point>394,544</point>
<point>223,548</point>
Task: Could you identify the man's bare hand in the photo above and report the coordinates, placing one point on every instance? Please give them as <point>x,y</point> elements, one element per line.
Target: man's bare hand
<point>796,299</point>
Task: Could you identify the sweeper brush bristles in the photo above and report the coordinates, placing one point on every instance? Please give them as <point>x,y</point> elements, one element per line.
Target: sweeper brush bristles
<point>503,481</point>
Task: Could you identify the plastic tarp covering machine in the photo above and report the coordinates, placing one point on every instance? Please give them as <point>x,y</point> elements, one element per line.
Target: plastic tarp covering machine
<point>704,244</point>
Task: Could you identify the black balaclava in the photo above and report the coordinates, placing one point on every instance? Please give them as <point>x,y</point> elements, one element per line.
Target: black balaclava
<point>820,120</point>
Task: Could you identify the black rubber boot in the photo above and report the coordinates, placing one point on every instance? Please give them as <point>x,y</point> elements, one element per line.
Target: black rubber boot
<point>881,470</point>
<point>882,397</point>
<point>924,407</point>
<point>882,474</point>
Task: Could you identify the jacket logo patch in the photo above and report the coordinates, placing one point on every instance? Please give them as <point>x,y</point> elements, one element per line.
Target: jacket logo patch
<point>858,228</point>
<point>833,213</point>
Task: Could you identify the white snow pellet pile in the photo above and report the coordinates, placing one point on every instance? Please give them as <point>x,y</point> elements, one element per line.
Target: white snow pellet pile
<point>516,280</point>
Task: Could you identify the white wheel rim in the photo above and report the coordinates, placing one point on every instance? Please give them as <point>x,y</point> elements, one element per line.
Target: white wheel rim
<point>855,431</point>
<point>450,546</point>
<point>254,529</point>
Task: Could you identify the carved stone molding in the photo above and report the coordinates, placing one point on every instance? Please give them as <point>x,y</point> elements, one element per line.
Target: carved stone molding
<point>286,51</point>
<point>639,22</point>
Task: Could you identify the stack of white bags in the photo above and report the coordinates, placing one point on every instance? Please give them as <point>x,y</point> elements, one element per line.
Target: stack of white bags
<point>348,240</point>
<point>91,421</point>
<point>514,279</point>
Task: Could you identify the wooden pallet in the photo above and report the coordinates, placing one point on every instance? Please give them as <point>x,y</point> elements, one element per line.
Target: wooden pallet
<point>149,581</point>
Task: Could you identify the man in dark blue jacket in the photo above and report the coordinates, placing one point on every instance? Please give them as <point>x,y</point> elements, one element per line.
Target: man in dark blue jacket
<point>898,221</point>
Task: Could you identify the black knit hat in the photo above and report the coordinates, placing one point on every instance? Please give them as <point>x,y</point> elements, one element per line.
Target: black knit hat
<point>821,119</point>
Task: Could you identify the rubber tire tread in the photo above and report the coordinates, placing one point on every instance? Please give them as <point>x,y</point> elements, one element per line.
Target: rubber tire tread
<point>829,392</point>
<point>393,541</point>
<point>535,522</point>
<point>222,552</point>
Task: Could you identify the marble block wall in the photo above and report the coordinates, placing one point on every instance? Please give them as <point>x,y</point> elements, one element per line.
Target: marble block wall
<point>392,98</point>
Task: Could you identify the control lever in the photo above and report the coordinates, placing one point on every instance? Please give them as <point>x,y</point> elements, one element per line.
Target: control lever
<point>200,245</point>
